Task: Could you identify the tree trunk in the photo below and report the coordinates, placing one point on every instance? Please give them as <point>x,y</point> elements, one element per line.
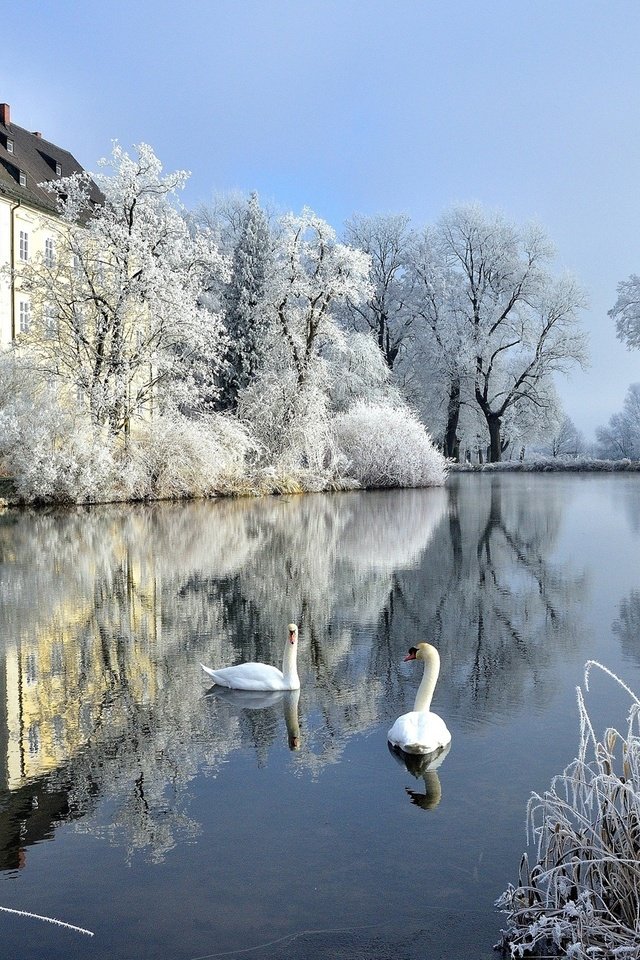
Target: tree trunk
<point>495,448</point>
<point>451,441</point>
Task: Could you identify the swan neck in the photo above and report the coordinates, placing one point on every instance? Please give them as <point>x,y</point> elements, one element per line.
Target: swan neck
<point>428,682</point>
<point>289,661</point>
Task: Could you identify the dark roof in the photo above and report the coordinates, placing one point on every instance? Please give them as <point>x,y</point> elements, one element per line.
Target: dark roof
<point>37,159</point>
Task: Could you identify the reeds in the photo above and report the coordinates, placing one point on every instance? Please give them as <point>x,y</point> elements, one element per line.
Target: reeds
<point>581,899</point>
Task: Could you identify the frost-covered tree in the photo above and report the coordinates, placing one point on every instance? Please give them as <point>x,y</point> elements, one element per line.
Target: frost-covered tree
<point>118,319</point>
<point>224,217</point>
<point>620,438</point>
<point>437,367</point>
<point>246,319</point>
<point>566,440</point>
<point>520,321</point>
<point>357,372</point>
<point>626,312</point>
<point>311,276</point>
<point>386,239</point>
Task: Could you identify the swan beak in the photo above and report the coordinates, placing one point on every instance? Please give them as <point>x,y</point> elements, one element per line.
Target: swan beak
<point>411,655</point>
<point>292,637</point>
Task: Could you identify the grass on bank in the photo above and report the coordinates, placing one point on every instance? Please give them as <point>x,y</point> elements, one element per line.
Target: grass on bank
<point>581,898</point>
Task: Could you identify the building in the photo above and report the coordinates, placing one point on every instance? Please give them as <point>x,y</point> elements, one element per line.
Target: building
<point>27,212</point>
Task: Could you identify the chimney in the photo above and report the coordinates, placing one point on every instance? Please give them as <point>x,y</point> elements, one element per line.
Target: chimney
<point>5,114</point>
<point>37,133</point>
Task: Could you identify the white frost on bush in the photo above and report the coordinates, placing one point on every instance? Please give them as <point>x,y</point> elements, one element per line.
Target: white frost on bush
<point>173,457</point>
<point>290,423</point>
<point>53,453</point>
<point>385,445</point>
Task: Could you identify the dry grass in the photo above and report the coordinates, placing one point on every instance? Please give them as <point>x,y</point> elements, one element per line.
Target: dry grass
<point>581,899</point>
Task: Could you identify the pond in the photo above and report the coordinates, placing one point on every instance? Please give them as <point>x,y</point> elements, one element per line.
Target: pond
<point>174,821</point>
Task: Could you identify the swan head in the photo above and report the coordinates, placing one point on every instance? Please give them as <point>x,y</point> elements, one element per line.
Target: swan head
<point>423,651</point>
<point>293,633</point>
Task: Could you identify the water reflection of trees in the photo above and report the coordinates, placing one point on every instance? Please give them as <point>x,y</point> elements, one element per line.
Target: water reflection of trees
<point>498,609</point>
<point>627,489</point>
<point>105,613</point>
<point>627,626</point>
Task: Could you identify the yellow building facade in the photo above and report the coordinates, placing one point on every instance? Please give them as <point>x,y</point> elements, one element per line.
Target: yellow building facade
<point>28,213</point>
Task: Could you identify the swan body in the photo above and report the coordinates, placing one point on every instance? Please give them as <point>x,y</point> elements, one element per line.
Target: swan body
<point>262,676</point>
<point>421,731</point>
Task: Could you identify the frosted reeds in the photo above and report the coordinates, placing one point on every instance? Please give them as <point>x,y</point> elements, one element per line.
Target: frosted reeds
<point>581,899</point>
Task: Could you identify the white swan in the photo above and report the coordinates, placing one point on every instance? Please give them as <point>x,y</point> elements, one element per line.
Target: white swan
<point>421,731</point>
<point>261,676</point>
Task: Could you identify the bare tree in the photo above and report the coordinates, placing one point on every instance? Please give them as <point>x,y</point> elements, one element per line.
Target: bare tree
<point>620,438</point>
<point>567,440</point>
<point>388,313</point>
<point>520,322</point>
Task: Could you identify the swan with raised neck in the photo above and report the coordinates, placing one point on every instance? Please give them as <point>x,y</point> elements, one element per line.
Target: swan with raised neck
<point>262,676</point>
<point>421,731</point>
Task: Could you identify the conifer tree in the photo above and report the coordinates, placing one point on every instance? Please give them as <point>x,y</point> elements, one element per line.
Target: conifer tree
<point>246,318</point>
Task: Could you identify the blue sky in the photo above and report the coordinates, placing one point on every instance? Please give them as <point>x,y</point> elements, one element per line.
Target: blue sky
<point>370,106</point>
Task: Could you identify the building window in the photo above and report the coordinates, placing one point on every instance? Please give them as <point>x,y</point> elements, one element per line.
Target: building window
<point>23,179</point>
<point>25,316</point>
<point>9,146</point>
<point>48,252</point>
<point>58,170</point>
<point>24,245</point>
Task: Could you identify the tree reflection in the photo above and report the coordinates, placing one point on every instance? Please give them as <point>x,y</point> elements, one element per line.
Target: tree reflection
<point>627,627</point>
<point>100,675</point>
<point>494,604</point>
<point>106,612</point>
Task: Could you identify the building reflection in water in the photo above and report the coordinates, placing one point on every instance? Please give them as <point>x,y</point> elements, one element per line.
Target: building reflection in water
<point>107,612</point>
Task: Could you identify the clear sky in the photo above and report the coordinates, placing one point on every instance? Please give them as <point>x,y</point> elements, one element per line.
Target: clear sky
<point>371,106</point>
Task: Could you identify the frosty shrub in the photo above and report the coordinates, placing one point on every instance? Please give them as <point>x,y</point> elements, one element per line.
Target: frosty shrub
<point>357,371</point>
<point>173,457</point>
<point>291,423</point>
<point>385,445</point>
<point>53,453</point>
<point>581,899</point>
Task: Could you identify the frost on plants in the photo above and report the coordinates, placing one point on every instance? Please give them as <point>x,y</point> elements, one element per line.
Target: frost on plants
<point>581,899</point>
<point>54,453</point>
<point>385,445</point>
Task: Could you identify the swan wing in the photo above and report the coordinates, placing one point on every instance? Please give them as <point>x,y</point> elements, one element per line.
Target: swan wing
<point>419,732</point>
<point>248,676</point>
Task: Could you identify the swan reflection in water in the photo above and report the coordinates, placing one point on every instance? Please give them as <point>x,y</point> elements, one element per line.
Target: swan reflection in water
<point>263,700</point>
<point>423,767</point>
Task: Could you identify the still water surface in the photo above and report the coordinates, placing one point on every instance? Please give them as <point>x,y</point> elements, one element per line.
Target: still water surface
<point>176,822</point>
